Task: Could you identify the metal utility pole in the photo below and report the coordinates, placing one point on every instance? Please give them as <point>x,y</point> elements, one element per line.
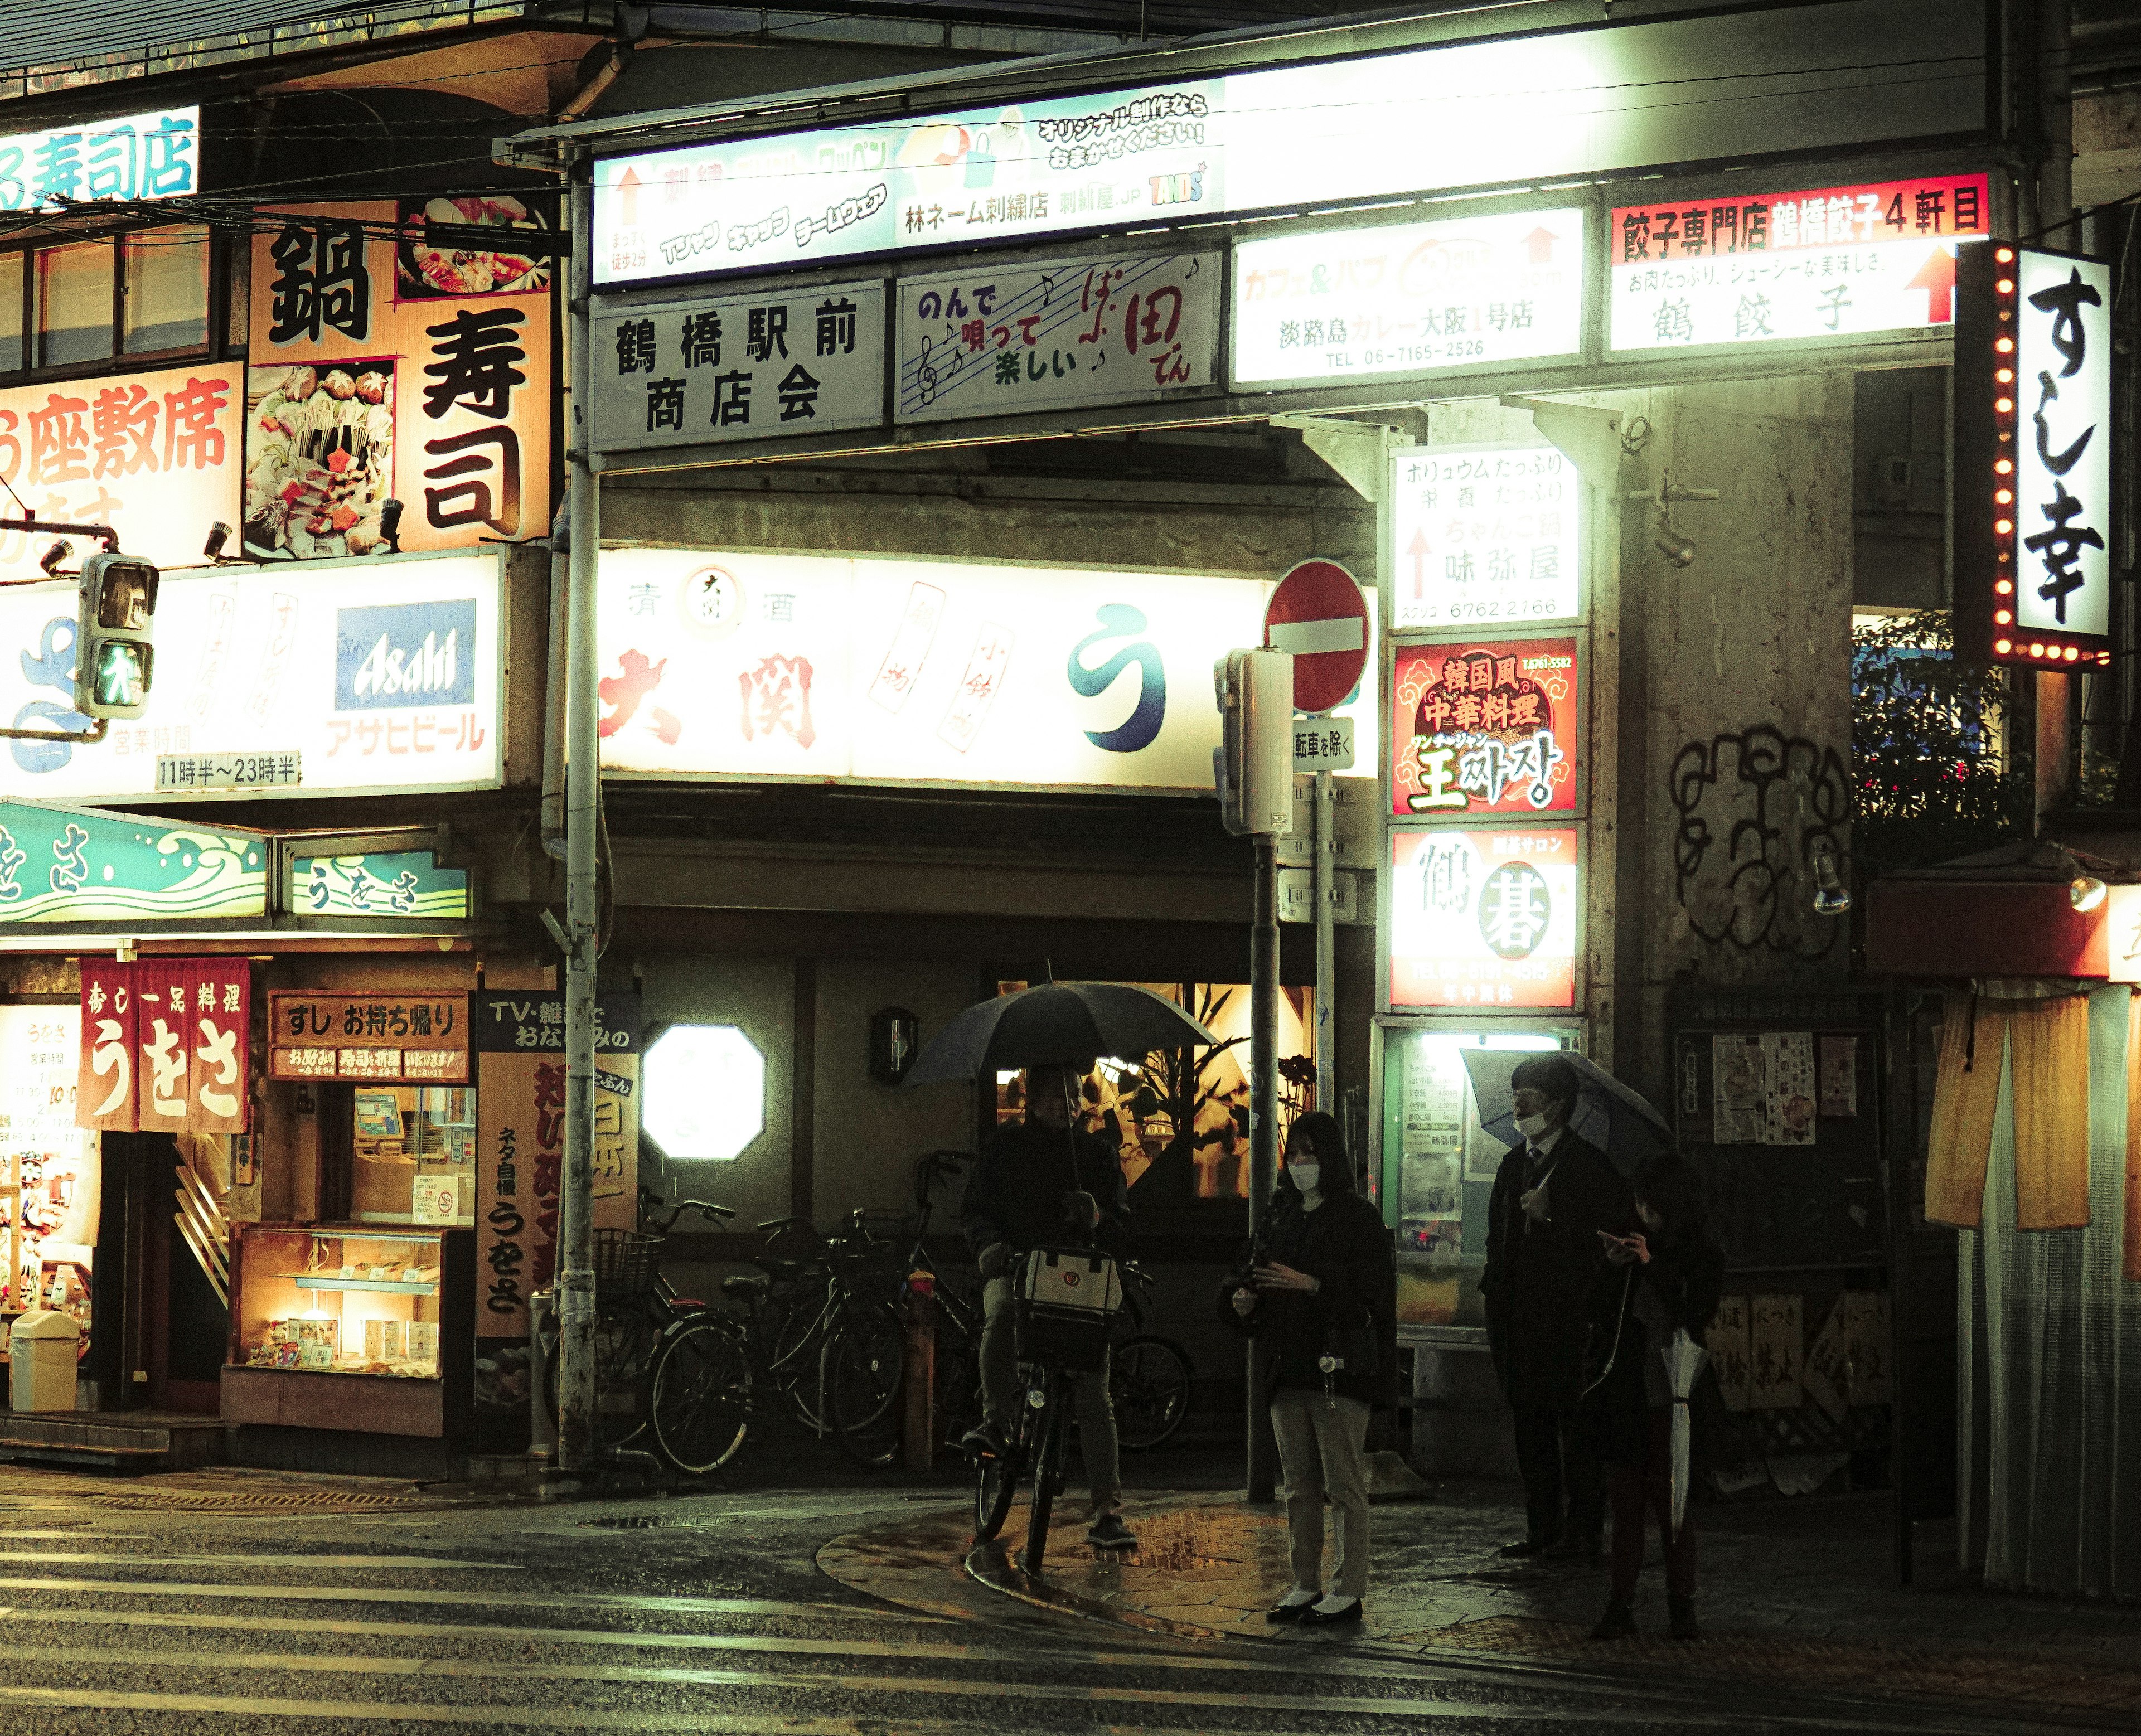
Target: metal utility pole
<point>577,1444</point>
<point>1326,936</point>
<point>1263,1124</point>
<point>2054,214</point>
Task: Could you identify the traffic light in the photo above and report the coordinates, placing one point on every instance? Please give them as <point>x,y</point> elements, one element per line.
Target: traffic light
<point>1253,767</point>
<point>114,661</point>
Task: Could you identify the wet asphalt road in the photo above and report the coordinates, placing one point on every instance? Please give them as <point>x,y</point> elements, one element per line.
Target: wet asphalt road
<point>701,1614</point>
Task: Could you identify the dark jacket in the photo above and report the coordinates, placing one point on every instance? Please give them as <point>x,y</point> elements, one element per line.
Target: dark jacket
<point>1683,1281</point>
<point>1539,1277</point>
<point>1014,1192</point>
<point>1343,1243</point>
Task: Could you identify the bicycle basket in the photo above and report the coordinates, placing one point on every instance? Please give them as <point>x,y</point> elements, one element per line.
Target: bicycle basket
<point>624,1262</point>
<point>1068,1299</point>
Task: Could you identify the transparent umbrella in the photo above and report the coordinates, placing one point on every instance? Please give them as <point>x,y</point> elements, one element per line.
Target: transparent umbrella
<point>1617,1119</point>
<point>1684,1358</point>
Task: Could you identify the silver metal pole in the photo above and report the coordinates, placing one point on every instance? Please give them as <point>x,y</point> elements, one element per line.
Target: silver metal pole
<point>577,1444</point>
<point>1263,1123</point>
<point>1327,935</point>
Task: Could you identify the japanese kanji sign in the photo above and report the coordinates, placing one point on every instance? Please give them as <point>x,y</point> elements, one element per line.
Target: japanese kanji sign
<point>158,457</point>
<point>1484,728</point>
<point>1111,330</point>
<point>396,1039</point>
<point>358,394</point>
<point>51,1167</point>
<point>1408,298</point>
<point>1830,263</point>
<point>1484,919</point>
<point>740,368</point>
<point>166,1046</point>
<point>79,865</point>
<point>156,155</point>
<point>520,1120</point>
<point>1484,536</point>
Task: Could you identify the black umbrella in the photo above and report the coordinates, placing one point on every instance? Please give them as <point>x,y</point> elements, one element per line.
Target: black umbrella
<point>1072,1023</point>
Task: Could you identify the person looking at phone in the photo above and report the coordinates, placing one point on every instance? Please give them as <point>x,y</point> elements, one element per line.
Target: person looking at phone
<point>1552,1194</point>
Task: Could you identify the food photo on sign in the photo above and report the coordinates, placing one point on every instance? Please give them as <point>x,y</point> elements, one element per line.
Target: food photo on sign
<point>1484,918</point>
<point>1484,728</point>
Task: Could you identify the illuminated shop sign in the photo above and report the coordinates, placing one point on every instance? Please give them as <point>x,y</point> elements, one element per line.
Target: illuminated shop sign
<point>1484,919</point>
<point>1484,536</point>
<point>1485,728</point>
<point>156,155</point>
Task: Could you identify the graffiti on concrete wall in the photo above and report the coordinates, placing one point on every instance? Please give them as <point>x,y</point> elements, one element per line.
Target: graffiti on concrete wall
<point>1752,808</point>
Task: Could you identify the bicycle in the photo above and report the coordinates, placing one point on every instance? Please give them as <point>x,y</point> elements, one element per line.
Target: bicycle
<point>1150,1377</point>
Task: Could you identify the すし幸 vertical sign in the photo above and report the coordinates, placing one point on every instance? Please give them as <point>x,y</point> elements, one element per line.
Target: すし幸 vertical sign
<point>2033,457</point>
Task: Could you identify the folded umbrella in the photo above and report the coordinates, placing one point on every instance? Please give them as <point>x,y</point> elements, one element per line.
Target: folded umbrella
<point>1684,1358</point>
<point>1617,1119</point>
<point>1071,1023</point>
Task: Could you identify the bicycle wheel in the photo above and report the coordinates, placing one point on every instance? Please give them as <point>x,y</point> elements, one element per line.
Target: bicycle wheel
<point>996,1475</point>
<point>1047,1474</point>
<point>957,1400</point>
<point>1149,1380</point>
<point>625,1339</point>
<point>796,1366</point>
<point>700,1394</point>
<point>864,1387</point>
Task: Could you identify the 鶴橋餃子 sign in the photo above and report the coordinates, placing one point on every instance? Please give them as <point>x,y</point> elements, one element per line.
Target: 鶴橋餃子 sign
<point>925,672</point>
<point>375,675</point>
<point>1484,918</point>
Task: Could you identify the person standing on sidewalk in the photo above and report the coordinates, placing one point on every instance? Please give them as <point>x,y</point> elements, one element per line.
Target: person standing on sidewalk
<point>1553,1195</point>
<point>1664,1278</point>
<point>1321,1293</point>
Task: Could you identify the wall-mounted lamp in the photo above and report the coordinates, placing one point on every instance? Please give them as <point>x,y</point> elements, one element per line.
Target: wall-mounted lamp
<point>219,534</point>
<point>1831,897</point>
<point>48,562</point>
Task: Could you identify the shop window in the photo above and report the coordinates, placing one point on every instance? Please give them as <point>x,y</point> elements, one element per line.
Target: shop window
<point>75,300</point>
<point>166,291</point>
<point>339,1302</point>
<point>412,1154</point>
<point>14,273</point>
<point>706,1093</point>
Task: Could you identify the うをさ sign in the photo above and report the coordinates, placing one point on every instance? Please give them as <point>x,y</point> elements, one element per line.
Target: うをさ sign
<point>1490,728</point>
<point>1484,919</point>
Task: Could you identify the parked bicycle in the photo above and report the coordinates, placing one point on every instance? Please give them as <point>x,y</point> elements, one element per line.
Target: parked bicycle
<point>1150,1377</point>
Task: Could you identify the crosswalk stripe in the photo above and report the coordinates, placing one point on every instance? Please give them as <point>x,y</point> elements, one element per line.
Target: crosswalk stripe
<point>426,1563</point>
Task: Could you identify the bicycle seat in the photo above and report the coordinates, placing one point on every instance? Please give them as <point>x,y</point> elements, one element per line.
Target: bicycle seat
<point>688,1305</point>
<point>745,1284</point>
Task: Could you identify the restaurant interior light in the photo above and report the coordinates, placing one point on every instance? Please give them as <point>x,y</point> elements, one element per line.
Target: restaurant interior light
<point>2085,892</point>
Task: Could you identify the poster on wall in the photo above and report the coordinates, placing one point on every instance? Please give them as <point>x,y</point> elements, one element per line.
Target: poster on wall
<point>51,1173</point>
<point>1485,729</point>
<point>383,368</point>
<point>1484,536</point>
<point>929,672</point>
<point>166,1046</point>
<point>1484,918</point>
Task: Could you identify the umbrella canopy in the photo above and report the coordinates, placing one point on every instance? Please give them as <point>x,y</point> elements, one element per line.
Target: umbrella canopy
<point>1621,1122</point>
<point>1056,1022</point>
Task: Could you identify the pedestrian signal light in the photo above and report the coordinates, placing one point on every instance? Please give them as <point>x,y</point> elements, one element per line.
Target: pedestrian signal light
<point>1253,769</point>
<point>114,663</point>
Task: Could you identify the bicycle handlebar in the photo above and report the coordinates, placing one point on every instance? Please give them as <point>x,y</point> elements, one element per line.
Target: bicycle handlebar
<point>714,1212</point>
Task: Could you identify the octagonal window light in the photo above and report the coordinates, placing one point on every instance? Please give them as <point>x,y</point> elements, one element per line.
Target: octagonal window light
<point>704,1092</point>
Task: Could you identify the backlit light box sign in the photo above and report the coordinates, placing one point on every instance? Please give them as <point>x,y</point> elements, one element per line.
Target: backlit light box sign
<point>1484,536</point>
<point>156,155</point>
<point>1492,727</point>
<point>1484,919</point>
<point>1408,298</point>
<point>370,676</point>
<point>920,672</point>
<point>1833,262</point>
<point>2033,458</point>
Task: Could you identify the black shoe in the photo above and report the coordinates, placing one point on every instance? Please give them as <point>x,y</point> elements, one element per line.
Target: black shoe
<point>1312,1616</point>
<point>1108,1531</point>
<point>1289,1611</point>
<point>1618,1623</point>
<point>1680,1611</point>
<point>1524,1550</point>
<point>981,1440</point>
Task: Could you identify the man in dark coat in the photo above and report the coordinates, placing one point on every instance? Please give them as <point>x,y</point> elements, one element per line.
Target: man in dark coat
<point>1552,1196</point>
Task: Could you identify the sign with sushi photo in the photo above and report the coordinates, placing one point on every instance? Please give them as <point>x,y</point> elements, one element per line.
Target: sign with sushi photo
<point>383,366</point>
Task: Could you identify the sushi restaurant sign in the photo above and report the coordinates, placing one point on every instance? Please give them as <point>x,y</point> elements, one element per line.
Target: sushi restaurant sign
<point>384,367</point>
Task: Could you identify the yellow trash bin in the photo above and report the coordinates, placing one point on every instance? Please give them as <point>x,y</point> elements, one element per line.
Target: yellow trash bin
<point>40,1360</point>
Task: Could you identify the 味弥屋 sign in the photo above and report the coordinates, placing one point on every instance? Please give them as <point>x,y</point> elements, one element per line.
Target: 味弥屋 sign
<point>1484,536</point>
<point>156,155</point>
<point>1484,918</point>
<point>1830,263</point>
<point>1487,728</point>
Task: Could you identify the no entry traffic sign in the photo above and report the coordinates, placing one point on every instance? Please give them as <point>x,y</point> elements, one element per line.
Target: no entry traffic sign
<point>1318,614</point>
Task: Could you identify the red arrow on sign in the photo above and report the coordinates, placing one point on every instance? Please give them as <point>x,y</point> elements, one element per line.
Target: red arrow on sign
<point>1539,243</point>
<point>1319,615</point>
<point>627,193</point>
<point>1937,277</point>
<point>1417,549</point>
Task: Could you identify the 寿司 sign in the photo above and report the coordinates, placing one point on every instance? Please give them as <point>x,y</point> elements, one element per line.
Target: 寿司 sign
<point>154,156</point>
<point>1830,263</point>
<point>927,672</point>
<point>366,676</point>
<point>1488,728</point>
<point>1485,918</point>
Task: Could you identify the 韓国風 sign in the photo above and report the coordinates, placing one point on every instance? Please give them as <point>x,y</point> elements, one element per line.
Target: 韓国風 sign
<point>1491,728</point>
<point>1833,262</point>
<point>78,865</point>
<point>156,155</point>
<point>1484,918</point>
<point>415,1039</point>
<point>1484,536</point>
<point>741,367</point>
<point>904,671</point>
<point>1086,331</point>
<point>1408,298</point>
<point>374,674</point>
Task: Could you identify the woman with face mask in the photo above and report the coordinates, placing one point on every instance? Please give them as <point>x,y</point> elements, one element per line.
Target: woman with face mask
<point>1320,1303</point>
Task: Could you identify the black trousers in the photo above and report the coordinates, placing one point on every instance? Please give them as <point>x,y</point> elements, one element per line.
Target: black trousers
<point>1564,1485</point>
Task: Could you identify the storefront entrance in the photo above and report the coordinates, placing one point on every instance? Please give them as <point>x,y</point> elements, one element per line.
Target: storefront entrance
<point>162,1320</point>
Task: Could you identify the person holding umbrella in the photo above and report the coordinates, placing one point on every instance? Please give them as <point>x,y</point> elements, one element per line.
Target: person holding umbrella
<point>1553,1194</point>
<point>1662,1288</point>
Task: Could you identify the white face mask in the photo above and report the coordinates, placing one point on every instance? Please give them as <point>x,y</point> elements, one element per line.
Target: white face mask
<point>1306,1175</point>
<point>1532,1126</point>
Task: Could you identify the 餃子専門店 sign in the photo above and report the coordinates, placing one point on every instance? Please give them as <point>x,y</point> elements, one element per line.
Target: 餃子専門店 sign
<point>1484,918</point>
<point>1489,728</point>
<point>414,1039</point>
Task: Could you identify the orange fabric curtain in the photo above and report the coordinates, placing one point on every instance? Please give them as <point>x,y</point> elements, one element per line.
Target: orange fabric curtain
<point>1973,1046</point>
<point>2049,1042</point>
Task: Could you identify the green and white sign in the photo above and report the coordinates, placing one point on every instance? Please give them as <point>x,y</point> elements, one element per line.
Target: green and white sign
<point>401,884</point>
<point>77,865</point>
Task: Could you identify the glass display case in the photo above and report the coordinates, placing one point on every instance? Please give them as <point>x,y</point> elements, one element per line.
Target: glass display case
<point>412,1152</point>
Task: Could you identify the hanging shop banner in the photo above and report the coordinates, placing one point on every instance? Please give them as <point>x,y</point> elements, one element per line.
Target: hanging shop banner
<point>1475,114</point>
<point>77,865</point>
<point>1489,729</point>
<point>382,370</point>
<point>368,676</point>
<point>1837,262</point>
<point>930,672</point>
<point>1115,330</point>
<point>158,457</point>
<point>404,1039</point>
<point>403,883</point>
<point>166,1047</point>
<point>521,1111</point>
<point>1484,536</point>
<point>156,155</point>
<point>50,1169</point>
<point>742,368</point>
<point>1407,298</point>
<point>1484,918</point>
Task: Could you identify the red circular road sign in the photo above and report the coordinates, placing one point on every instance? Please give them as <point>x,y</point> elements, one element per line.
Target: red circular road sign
<point>1319,614</point>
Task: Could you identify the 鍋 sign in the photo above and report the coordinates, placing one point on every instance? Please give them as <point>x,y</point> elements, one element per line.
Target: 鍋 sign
<point>1484,536</point>
<point>154,156</point>
<point>1484,728</point>
<point>1086,330</point>
<point>1484,919</point>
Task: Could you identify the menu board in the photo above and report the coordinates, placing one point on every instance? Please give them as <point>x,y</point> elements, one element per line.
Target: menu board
<point>49,1173</point>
